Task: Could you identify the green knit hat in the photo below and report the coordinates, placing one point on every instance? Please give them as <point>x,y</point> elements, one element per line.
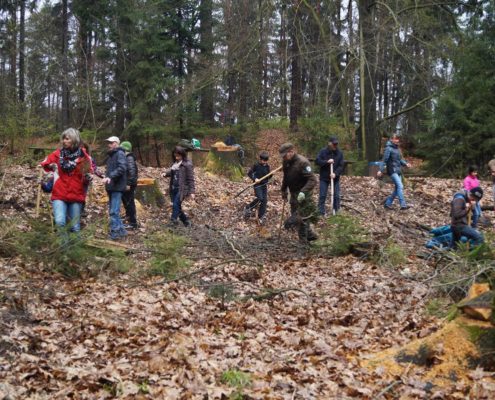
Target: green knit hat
<point>127,146</point>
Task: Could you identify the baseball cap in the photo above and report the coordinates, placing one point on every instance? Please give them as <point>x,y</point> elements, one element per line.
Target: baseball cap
<point>113,139</point>
<point>477,193</point>
<point>333,140</point>
<point>284,149</point>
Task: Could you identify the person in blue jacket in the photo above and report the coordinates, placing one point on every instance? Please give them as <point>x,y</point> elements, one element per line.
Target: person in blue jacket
<point>256,172</point>
<point>115,184</point>
<point>393,162</point>
<point>330,155</point>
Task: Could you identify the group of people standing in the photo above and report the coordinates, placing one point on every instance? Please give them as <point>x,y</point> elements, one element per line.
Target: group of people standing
<point>73,168</point>
<point>298,184</point>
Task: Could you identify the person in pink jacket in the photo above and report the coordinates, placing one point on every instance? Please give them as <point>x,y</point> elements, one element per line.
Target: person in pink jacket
<point>471,181</point>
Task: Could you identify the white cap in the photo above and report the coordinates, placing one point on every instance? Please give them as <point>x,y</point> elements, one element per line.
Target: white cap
<point>113,139</point>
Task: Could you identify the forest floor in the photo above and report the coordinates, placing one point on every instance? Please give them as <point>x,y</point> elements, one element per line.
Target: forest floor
<point>255,315</point>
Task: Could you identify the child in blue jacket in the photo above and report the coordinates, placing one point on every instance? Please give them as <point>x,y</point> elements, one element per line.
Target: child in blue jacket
<point>256,172</point>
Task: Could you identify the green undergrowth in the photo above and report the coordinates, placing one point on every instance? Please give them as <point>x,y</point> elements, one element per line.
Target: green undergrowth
<point>168,250</point>
<point>340,234</point>
<point>238,380</point>
<point>391,254</point>
<point>482,252</point>
<point>72,255</point>
<point>441,307</point>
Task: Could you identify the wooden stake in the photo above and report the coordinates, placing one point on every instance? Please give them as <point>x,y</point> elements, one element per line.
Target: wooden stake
<point>38,198</point>
<point>331,189</point>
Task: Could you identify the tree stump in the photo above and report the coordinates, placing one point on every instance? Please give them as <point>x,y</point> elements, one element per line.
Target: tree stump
<point>148,192</point>
<point>225,160</point>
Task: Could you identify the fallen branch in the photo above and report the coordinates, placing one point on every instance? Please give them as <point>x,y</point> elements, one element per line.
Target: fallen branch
<point>232,246</point>
<point>388,388</point>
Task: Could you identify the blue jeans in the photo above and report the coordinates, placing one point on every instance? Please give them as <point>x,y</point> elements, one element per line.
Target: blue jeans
<point>472,234</point>
<point>476,215</point>
<point>63,210</point>
<point>177,206</point>
<point>117,229</point>
<point>398,191</point>
<point>261,193</point>
<point>323,195</point>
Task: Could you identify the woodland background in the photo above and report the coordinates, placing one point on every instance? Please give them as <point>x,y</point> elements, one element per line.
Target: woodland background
<point>154,71</point>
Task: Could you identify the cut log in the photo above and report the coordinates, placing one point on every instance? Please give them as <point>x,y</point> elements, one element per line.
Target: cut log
<point>478,303</point>
<point>148,193</point>
<point>225,160</point>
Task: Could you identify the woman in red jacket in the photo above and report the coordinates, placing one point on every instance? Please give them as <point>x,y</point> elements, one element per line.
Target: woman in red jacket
<point>72,167</point>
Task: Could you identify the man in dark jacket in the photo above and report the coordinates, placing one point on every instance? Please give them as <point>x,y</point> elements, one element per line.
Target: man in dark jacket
<point>393,161</point>
<point>115,183</point>
<point>130,190</point>
<point>256,172</point>
<point>328,156</point>
<point>460,209</point>
<point>300,181</point>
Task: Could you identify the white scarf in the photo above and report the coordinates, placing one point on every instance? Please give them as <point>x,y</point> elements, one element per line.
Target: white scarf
<point>176,165</point>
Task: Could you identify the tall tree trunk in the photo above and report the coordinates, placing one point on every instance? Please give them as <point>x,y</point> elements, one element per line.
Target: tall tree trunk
<point>283,54</point>
<point>180,68</point>
<point>370,139</point>
<point>206,105</point>
<point>119,89</point>
<point>65,65</point>
<point>296,74</point>
<point>350,59</point>
<point>22,50</point>
<point>12,29</point>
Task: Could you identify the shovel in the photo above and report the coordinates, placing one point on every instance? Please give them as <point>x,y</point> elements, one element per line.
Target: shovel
<point>331,189</point>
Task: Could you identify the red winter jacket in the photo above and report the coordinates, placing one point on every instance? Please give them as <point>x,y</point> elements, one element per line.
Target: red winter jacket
<point>69,187</point>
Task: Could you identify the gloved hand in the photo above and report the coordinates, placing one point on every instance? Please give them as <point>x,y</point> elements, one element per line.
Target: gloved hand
<point>301,196</point>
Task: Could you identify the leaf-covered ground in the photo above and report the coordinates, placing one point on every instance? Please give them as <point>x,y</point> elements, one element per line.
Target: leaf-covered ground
<point>260,305</point>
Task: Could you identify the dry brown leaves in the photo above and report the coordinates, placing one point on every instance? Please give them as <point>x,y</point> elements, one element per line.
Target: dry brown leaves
<point>92,339</point>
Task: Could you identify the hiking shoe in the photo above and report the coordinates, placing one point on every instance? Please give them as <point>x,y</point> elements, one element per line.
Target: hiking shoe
<point>387,207</point>
<point>116,237</point>
<point>130,226</point>
<point>261,221</point>
<point>172,224</point>
<point>405,207</point>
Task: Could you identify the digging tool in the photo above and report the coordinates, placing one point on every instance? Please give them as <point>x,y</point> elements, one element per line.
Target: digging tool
<point>470,216</point>
<point>254,183</point>
<point>38,198</point>
<point>331,189</point>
